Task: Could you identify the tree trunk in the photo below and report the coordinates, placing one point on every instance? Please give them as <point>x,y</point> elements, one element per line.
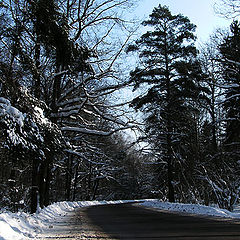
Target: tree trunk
<point>36,74</point>
<point>35,185</point>
<point>44,179</point>
<point>171,196</point>
<point>68,177</point>
<point>212,113</point>
<point>75,183</point>
<point>47,183</point>
<point>95,188</point>
<point>56,91</point>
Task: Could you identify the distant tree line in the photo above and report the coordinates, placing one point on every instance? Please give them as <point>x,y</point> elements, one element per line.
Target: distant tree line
<point>62,134</point>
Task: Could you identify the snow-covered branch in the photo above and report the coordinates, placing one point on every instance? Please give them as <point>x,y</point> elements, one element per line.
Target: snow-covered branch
<point>94,132</point>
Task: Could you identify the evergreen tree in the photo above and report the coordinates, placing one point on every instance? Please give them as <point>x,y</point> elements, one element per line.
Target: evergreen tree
<point>170,73</point>
<point>230,50</point>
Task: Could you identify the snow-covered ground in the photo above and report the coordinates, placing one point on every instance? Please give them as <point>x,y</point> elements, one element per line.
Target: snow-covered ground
<point>19,226</point>
<point>196,209</point>
<point>26,226</point>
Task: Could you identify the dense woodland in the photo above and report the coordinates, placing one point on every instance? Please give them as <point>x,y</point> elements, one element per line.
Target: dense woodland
<point>69,132</point>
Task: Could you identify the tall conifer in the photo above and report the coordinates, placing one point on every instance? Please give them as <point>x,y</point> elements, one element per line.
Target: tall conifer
<point>169,71</point>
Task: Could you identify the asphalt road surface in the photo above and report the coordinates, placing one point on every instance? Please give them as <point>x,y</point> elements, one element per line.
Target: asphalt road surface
<point>129,222</point>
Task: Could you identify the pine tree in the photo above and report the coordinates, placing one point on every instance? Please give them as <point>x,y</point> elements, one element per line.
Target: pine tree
<point>230,50</point>
<point>170,73</point>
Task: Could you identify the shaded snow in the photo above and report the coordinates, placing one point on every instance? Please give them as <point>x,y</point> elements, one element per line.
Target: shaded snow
<point>4,101</point>
<point>12,112</point>
<point>21,225</point>
<point>190,208</point>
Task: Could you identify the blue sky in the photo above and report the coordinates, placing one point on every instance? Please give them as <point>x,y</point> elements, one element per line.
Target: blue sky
<point>200,12</point>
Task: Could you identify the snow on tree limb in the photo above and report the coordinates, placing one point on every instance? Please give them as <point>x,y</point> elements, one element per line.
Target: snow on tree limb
<point>92,131</point>
<point>234,62</point>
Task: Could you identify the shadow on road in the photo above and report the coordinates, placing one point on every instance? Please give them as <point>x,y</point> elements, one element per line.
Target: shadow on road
<point>125,221</point>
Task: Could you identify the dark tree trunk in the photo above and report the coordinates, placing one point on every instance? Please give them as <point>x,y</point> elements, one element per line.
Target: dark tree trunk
<point>95,188</point>
<point>47,183</point>
<point>36,75</point>
<point>35,185</point>
<point>75,183</point>
<point>42,185</point>
<point>214,134</point>
<point>69,177</point>
<point>44,179</point>
<point>56,92</point>
<point>12,186</point>
<point>89,183</point>
<point>171,196</point>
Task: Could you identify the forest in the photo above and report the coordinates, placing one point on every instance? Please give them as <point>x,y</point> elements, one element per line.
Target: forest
<point>91,109</point>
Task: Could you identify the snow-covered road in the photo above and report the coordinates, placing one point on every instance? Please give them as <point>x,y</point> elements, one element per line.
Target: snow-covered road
<point>71,220</point>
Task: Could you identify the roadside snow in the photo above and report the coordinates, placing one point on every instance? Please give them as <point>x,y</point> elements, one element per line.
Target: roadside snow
<point>190,208</point>
<point>22,226</point>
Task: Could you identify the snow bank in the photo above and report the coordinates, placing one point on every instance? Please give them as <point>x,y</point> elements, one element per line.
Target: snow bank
<point>16,226</point>
<point>19,226</point>
<point>189,208</point>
